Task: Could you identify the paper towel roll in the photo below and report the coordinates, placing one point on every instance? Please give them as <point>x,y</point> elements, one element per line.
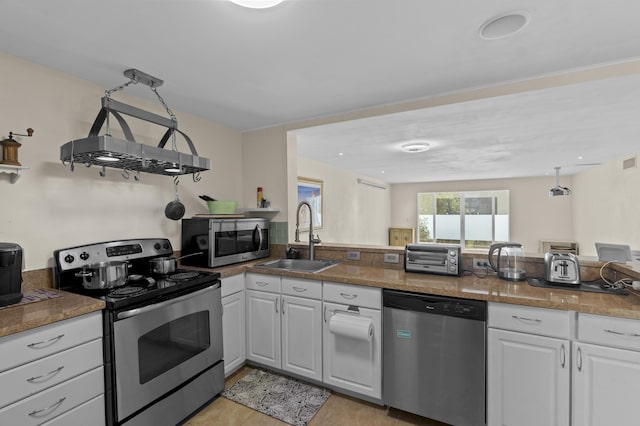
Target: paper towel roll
<point>351,326</point>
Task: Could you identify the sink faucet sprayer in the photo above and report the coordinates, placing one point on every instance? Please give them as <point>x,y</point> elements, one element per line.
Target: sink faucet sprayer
<point>312,241</point>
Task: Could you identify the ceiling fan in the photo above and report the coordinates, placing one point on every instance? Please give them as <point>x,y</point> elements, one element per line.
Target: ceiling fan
<point>558,190</point>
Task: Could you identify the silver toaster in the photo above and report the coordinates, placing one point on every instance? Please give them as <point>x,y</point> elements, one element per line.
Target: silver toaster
<point>562,268</point>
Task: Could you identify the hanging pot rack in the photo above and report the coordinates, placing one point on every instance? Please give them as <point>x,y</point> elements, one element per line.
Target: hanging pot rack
<point>129,155</point>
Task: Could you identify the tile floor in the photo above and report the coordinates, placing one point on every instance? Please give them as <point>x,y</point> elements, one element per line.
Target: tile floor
<point>338,410</point>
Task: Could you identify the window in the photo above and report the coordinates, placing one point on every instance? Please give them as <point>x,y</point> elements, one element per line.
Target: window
<point>473,219</point>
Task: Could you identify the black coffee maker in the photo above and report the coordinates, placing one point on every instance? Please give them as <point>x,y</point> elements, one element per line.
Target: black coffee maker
<point>10,273</point>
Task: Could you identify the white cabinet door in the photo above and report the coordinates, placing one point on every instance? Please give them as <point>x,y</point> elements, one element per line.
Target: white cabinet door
<point>528,379</point>
<point>302,336</point>
<point>263,328</point>
<point>606,385</point>
<point>233,332</point>
<point>351,364</point>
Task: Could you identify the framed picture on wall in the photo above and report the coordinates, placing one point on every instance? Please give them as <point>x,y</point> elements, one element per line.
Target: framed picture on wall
<point>310,190</point>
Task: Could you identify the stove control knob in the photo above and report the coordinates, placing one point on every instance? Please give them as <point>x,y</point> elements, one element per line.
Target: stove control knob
<point>166,246</point>
<point>69,259</point>
<point>157,246</point>
<point>84,255</point>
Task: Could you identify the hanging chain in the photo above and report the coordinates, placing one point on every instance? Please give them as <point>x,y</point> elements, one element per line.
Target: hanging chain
<point>171,114</point>
<point>108,93</point>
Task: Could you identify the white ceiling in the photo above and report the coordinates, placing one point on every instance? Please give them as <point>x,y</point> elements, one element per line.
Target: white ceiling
<point>250,69</point>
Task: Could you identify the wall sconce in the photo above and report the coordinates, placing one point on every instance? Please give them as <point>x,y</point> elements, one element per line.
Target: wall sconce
<point>10,148</point>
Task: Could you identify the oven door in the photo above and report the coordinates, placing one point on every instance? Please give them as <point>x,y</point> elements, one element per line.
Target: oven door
<point>160,346</point>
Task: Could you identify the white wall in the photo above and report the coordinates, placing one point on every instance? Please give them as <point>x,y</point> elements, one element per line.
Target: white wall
<point>352,212</point>
<point>50,207</point>
<point>606,204</point>
<point>533,214</point>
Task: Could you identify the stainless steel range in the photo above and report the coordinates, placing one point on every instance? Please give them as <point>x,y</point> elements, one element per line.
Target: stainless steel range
<point>162,333</point>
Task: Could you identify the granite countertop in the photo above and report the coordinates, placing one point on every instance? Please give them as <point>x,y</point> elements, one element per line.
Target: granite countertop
<point>474,287</point>
<point>22,317</point>
<point>17,318</point>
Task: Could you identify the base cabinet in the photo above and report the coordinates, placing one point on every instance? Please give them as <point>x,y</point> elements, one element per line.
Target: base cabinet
<point>528,379</point>
<point>528,366</point>
<point>233,323</point>
<point>302,336</point>
<point>263,328</point>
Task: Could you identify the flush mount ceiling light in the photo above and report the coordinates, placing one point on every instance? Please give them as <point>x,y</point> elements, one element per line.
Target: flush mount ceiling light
<point>503,26</point>
<point>415,146</point>
<point>258,4</point>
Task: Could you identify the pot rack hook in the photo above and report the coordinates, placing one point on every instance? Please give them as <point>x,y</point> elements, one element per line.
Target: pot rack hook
<point>196,177</point>
<point>125,173</point>
<point>137,176</point>
<point>103,172</point>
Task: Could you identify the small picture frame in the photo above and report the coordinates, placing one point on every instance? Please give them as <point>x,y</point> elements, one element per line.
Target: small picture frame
<point>311,191</point>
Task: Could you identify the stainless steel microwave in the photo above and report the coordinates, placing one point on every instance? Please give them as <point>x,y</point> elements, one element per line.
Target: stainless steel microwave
<point>224,241</point>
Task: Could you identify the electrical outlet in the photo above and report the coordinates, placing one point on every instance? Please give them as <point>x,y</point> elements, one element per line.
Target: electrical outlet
<point>353,255</point>
<point>480,263</point>
<point>392,258</point>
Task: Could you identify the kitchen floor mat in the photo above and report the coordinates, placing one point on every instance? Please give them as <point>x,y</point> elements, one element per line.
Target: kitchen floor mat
<point>283,398</point>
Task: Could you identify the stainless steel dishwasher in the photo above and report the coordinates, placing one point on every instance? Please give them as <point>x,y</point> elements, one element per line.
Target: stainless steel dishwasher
<point>434,356</point>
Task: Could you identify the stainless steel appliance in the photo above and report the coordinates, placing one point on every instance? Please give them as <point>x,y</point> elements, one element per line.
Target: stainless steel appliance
<point>510,261</point>
<point>10,274</point>
<point>162,333</point>
<point>562,268</point>
<point>433,258</point>
<point>224,241</point>
<point>434,356</point>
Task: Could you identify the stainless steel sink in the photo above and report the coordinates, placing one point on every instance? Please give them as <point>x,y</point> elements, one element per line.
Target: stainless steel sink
<point>300,265</point>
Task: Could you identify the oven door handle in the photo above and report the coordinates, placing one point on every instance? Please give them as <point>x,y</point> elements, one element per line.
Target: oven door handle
<point>155,306</point>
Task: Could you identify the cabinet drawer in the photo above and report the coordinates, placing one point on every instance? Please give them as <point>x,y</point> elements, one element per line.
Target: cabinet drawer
<point>28,346</point>
<point>369,297</point>
<point>609,331</point>
<point>263,282</point>
<point>527,319</point>
<point>231,285</point>
<point>28,379</point>
<point>311,289</point>
<point>54,401</point>
<point>88,413</point>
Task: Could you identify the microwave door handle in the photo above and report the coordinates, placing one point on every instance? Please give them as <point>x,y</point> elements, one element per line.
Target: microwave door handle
<point>258,230</point>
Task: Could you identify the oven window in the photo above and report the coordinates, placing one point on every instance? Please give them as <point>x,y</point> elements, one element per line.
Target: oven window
<point>171,344</point>
<point>229,243</point>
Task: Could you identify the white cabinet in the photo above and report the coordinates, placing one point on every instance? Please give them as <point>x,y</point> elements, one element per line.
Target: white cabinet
<point>352,361</point>
<point>302,336</point>
<point>233,323</point>
<point>606,371</point>
<point>263,328</point>
<point>528,366</point>
<point>51,372</point>
<point>284,324</point>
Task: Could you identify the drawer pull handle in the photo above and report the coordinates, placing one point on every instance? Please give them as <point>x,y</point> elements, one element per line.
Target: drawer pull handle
<point>261,283</point>
<point>563,356</point>
<point>45,377</point>
<point>527,320</point>
<point>348,296</point>
<point>619,333</point>
<point>46,411</point>
<point>45,343</point>
<point>300,289</point>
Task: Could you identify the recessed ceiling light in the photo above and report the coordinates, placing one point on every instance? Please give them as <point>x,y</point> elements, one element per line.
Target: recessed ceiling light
<point>341,154</point>
<point>503,26</point>
<point>258,4</point>
<point>415,146</point>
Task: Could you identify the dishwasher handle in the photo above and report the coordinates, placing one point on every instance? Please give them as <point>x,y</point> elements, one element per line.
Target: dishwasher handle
<point>431,304</point>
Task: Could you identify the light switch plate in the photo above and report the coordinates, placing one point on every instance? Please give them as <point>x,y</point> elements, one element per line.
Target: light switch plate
<point>392,258</point>
<point>353,255</point>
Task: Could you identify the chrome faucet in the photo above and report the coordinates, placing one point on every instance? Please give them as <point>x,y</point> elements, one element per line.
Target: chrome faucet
<point>312,240</point>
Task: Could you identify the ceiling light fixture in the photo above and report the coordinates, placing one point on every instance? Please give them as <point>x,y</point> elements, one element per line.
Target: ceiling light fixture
<point>258,4</point>
<point>503,26</point>
<point>415,146</point>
